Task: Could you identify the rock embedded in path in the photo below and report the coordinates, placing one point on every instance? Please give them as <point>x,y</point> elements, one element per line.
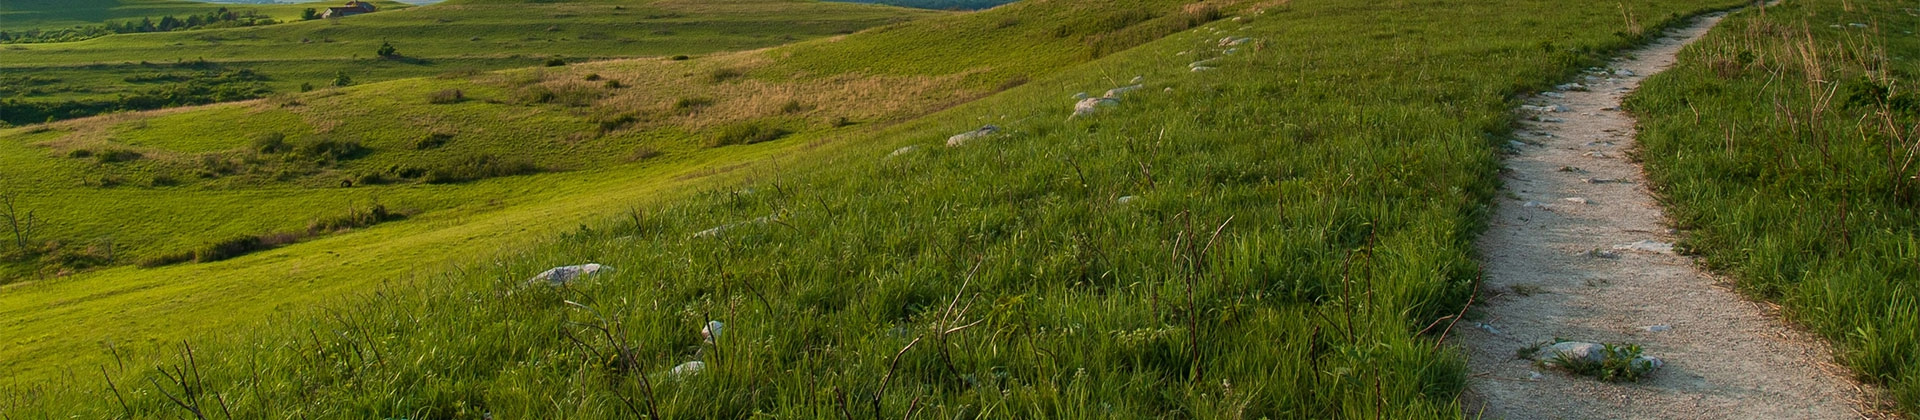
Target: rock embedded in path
<point>1647,246</point>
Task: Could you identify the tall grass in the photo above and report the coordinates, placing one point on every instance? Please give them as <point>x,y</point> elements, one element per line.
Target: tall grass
<point>1787,141</point>
<point>1298,218</point>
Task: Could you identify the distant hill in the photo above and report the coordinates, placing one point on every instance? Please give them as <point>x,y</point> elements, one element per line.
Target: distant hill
<point>937,4</point>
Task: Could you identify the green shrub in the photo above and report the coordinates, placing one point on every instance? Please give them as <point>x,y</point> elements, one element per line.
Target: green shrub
<point>116,156</point>
<point>228,249</point>
<point>447,96</point>
<point>747,133</point>
<point>357,217</point>
<point>478,167</point>
<point>324,149</point>
<point>271,143</point>
<point>165,259</point>
<point>432,141</point>
<point>721,75</point>
<point>556,62</point>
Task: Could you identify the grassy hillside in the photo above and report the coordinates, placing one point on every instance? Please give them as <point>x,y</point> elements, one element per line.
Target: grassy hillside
<point>430,40</point>
<point>1788,142</point>
<point>92,182</point>
<point>1269,238</point>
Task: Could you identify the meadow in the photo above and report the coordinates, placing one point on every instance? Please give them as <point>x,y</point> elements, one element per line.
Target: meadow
<point>1786,143</point>
<point>1279,234</point>
<point>449,37</point>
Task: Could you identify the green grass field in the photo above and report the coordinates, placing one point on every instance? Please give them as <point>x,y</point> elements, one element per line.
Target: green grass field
<point>1271,238</point>
<point>429,40</point>
<point>1786,142</point>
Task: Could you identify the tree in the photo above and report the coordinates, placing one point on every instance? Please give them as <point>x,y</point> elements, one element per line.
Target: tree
<point>309,14</point>
<point>23,225</point>
<point>341,79</point>
<point>386,50</point>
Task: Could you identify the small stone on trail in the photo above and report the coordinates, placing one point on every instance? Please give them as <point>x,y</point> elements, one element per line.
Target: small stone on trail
<point>1534,375</point>
<point>1087,107</point>
<point>1601,253</point>
<point>1561,108</point>
<point>1657,328</point>
<point>560,276</point>
<point>1488,328</point>
<point>1623,73</point>
<point>1572,170</point>
<point>1533,204</point>
<point>1647,246</point>
<point>1596,154</point>
<point>1577,200</point>
<point>963,138</point>
<point>1548,119</point>
<point>1571,87</point>
<point>1554,95</point>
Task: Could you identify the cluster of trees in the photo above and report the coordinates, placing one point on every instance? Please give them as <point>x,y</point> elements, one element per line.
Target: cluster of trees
<point>199,88</point>
<point>938,4</point>
<point>220,18</point>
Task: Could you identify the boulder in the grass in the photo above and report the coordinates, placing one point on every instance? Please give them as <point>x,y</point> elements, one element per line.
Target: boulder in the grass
<point>561,276</point>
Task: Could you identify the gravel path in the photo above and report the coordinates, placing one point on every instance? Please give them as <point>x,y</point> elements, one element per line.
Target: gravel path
<point>1559,262</point>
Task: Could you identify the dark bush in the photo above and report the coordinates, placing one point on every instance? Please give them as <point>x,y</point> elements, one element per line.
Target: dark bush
<point>680,58</point>
<point>556,62</point>
<point>116,156</point>
<point>747,133</point>
<point>478,167</point>
<point>271,143</point>
<point>330,150</point>
<point>686,106</point>
<point>432,141</point>
<point>724,74</point>
<point>165,259</point>
<point>617,122</point>
<point>357,217</point>
<point>228,249</point>
<point>643,153</point>
<point>592,77</point>
<point>448,96</point>
<point>80,153</point>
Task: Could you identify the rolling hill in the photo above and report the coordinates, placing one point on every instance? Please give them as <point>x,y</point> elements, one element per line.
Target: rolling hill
<point>1264,227</point>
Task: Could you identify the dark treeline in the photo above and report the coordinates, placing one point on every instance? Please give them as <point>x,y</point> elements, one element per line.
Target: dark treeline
<point>221,18</point>
<point>202,83</point>
<point>937,4</point>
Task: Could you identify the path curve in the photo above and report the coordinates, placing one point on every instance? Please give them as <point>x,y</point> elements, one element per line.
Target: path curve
<point>1552,270</point>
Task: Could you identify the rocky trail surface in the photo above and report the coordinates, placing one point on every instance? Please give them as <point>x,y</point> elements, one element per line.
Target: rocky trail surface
<point>1579,249</point>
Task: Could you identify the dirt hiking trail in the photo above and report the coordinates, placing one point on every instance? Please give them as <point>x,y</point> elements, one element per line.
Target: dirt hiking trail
<point>1579,249</point>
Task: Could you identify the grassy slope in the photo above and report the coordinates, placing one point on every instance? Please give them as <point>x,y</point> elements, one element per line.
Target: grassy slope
<point>388,117</point>
<point>1353,163</point>
<point>441,38</point>
<point>1814,209</point>
<point>144,218</point>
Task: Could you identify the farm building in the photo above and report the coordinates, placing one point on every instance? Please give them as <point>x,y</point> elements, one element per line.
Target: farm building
<point>352,8</point>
